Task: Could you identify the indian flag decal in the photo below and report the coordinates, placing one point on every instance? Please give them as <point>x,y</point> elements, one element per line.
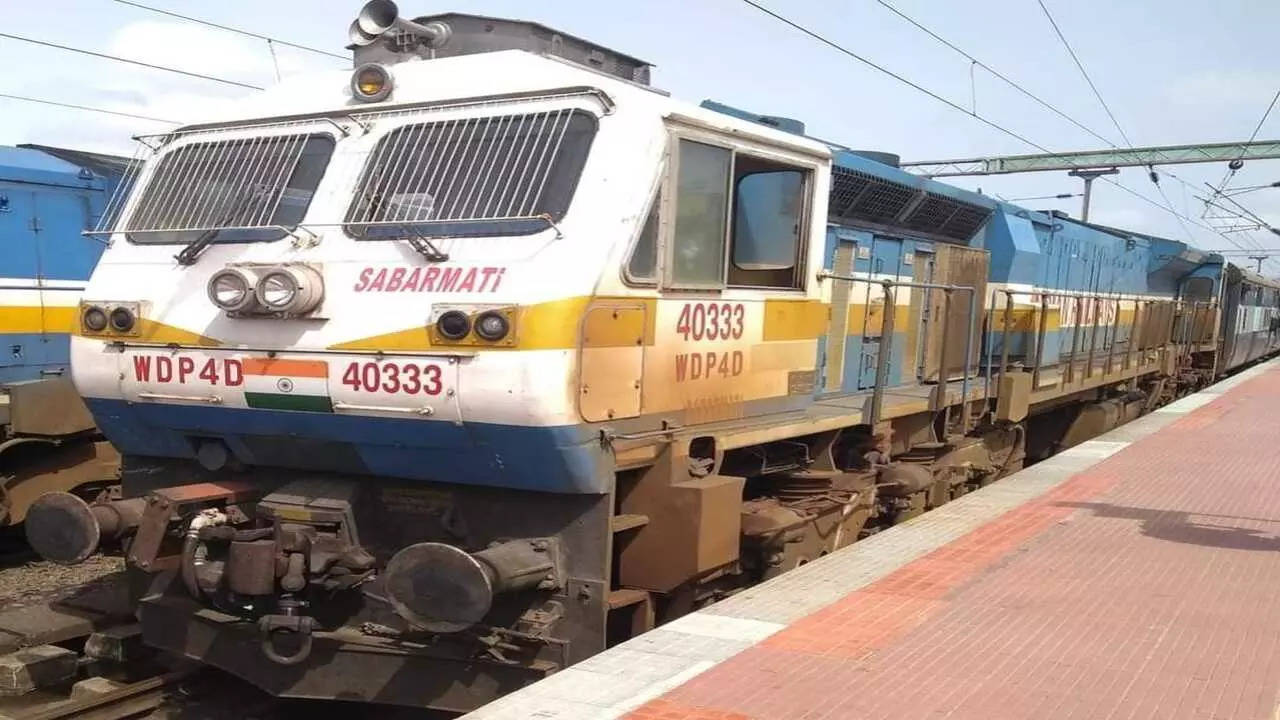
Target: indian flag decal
<point>272,384</point>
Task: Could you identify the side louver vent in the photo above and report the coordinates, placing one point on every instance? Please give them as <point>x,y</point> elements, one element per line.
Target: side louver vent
<point>859,196</point>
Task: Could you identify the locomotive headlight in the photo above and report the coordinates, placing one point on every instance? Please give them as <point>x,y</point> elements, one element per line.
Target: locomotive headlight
<point>474,325</point>
<point>492,325</point>
<point>371,82</point>
<point>453,324</point>
<point>231,289</point>
<point>277,291</point>
<point>122,319</point>
<point>290,289</point>
<point>94,318</point>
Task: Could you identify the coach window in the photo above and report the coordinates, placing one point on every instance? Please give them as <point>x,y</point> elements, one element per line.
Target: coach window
<point>768,216</point>
<point>702,203</point>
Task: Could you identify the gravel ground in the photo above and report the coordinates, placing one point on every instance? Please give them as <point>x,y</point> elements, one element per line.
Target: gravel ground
<point>38,581</point>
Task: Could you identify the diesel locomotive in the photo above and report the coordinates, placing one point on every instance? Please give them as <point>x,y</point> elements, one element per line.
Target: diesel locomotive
<point>436,377</point>
<point>48,197</point>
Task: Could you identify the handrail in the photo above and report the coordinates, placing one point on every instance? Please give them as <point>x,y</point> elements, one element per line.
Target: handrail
<point>886,345</point>
<point>1143,305</point>
<point>1180,335</point>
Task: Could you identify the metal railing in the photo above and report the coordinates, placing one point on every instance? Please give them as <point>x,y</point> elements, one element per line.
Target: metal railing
<point>1184,324</point>
<point>1146,310</point>
<point>938,400</point>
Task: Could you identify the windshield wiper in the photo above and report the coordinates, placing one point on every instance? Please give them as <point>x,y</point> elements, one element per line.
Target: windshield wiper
<point>189,254</point>
<point>423,245</point>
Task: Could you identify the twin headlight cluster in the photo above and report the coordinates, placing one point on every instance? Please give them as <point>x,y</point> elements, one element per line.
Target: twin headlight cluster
<point>267,290</point>
<point>109,318</point>
<point>456,326</point>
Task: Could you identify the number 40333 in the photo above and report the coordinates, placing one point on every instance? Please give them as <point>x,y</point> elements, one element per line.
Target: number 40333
<point>711,321</point>
<point>390,377</point>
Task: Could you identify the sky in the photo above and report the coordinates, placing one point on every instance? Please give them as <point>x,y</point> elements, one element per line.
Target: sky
<point>1171,71</point>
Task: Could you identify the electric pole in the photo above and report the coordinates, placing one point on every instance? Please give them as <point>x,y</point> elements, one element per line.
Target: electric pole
<point>1088,176</point>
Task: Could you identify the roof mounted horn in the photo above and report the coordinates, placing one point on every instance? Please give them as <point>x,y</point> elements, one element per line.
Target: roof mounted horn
<point>377,17</point>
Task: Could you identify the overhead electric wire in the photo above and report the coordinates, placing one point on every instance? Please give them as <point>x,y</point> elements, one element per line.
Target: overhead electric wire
<point>991,123</point>
<point>995,72</point>
<point>1087,79</point>
<point>1025,91</point>
<point>87,108</point>
<point>1222,184</point>
<point>129,61</point>
<point>1051,107</point>
<point>228,28</point>
<point>890,73</point>
<point>1155,178</point>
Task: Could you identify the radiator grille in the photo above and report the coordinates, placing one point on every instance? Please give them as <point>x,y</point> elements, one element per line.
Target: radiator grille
<point>859,196</point>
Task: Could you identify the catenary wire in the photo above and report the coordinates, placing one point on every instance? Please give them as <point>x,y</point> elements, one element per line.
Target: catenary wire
<point>1087,79</point>
<point>87,108</point>
<point>840,48</point>
<point>996,73</point>
<point>229,28</point>
<point>1230,172</point>
<point>1045,103</point>
<point>129,61</point>
<point>1155,178</point>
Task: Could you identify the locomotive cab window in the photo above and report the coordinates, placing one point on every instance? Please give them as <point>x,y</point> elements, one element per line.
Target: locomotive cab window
<point>702,203</point>
<point>643,265</point>
<point>497,175</point>
<point>243,190</point>
<point>768,217</point>
<point>737,207</point>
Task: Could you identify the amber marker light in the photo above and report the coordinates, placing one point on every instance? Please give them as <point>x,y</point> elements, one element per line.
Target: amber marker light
<point>371,82</point>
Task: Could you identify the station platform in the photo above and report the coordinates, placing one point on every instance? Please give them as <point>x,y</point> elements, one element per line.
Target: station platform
<point>1134,576</point>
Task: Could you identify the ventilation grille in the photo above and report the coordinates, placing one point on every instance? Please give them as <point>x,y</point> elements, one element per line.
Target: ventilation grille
<point>859,196</point>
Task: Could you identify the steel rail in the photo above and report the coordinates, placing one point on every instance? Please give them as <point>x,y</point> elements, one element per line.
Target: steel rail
<point>128,701</point>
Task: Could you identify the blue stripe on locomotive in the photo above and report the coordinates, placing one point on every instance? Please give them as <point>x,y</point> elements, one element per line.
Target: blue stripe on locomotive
<point>568,459</point>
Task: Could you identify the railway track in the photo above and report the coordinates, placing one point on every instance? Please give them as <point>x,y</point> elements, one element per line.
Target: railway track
<point>130,700</point>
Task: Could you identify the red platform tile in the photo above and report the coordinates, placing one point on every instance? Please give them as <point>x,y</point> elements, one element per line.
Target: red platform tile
<point>1145,587</point>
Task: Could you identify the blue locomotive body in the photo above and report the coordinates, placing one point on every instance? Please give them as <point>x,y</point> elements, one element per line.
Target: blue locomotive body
<point>48,198</point>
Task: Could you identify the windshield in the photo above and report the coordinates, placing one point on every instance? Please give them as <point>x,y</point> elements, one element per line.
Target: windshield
<point>505,174</point>
<point>243,190</point>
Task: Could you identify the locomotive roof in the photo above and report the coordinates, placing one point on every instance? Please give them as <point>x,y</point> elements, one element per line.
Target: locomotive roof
<point>100,163</point>
<point>34,164</point>
<point>505,72</point>
<point>1254,278</point>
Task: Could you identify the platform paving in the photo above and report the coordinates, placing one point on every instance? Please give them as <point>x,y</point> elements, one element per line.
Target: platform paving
<point>1135,576</point>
